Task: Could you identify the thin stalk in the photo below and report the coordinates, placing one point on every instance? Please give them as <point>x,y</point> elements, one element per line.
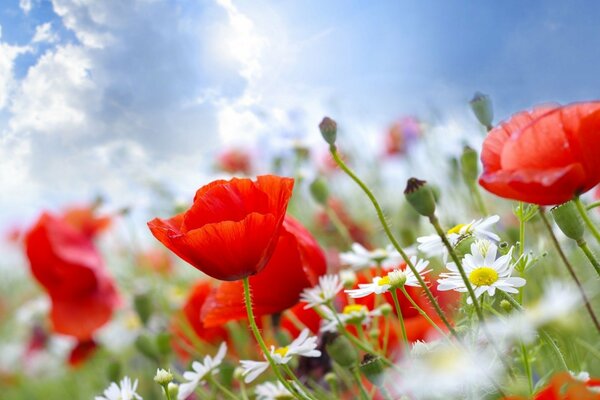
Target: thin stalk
<point>436,224</point>
<point>521,241</point>
<point>363,391</point>
<point>592,205</point>
<point>390,235</point>
<point>478,199</point>
<point>422,312</point>
<point>527,367</point>
<point>586,218</point>
<point>394,293</point>
<point>294,378</point>
<point>261,342</point>
<point>222,388</point>
<point>339,226</point>
<point>588,253</point>
<point>166,390</point>
<point>567,263</point>
<point>591,349</point>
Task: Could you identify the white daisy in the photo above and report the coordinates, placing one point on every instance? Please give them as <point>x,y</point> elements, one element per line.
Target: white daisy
<point>484,271</point>
<point>359,257</point>
<point>383,284</point>
<point>329,286</point>
<point>303,345</point>
<point>351,314</point>
<point>200,371</point>
<point>432,245</point>
<point>124,391</point>
<point>272,391</point>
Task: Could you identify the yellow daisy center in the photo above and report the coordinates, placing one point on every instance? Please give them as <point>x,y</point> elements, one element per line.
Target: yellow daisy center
<point>282,351</point>
<point>384,281</point>
<point>483,276</point>
<point>455,229</point>
<point>350,308</point>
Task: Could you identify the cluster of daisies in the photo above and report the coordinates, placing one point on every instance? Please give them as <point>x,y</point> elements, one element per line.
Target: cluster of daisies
<point>487,271</point>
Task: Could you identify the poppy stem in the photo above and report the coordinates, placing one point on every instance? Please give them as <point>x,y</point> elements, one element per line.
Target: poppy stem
<point>586,218</point>
<point>588,253</point>
<point>261,342</point>
<point>592,205</point>
<point>570,269</point>
<point>392,239</point>
<point>394,294</point>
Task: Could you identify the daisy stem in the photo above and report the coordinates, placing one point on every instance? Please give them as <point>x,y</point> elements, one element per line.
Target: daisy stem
<point>386,336</point>
<point>567,263</point>
<point>390,235</point>
<point>294,378</point>
<point>436,224</point>
<point>527,367</point>
<point>261,342</point>
<point>401,318</point>
<point>222,388</point>
<point>588,253</point>
<point>363,391</point>
<point>422,312</point>
<point>166,390</point>
<point>586,218</point>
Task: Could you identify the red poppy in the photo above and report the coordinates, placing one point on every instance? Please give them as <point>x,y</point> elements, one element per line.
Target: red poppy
<point>156,260</point>
<point>545,156</point>
<point>81,352</point>
<point>66,263</point>
<point>307,317</point>
<point>235,161</point>
<point>297,263</point>
<point>231,230</point>
<point>563,386</point>
<point>85,220</point>
<point>191,312</point>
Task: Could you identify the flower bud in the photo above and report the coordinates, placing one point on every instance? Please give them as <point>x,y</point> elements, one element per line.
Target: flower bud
<point>147,347</point>
<point>385,309</point>
<point>319,191</point>
<point>481,104</point>
<point>328,129</point>
<point>342,351</point>
<point>506,306</point>
<point>420,196</point>
<point>173,390</point>
<point>397,278</point>
<point>348,278</point>
<point>568,220</point>
<point>469,165</point>
<point>374,333</point>
<point>163,377</point>
<point>238,373</point>
<point>142,303</point>
<point>372,368</point>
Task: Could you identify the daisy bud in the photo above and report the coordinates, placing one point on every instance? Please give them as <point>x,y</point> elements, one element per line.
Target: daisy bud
<point>372,368</point>
<point>328,129</point>
<point>506,306</point>
<point>374,333</point>
<point>420,196</point>
<point>348,278</point>
<point>163,377</point>
<point>397,278</point>
<point>481,104</point>
<point>319,191</point>
<point>568,220</point>
<point>342,351</point>
<point>173,390</point>
<point>469,165</point>
<point>238,373</point>
<point>385,309</point>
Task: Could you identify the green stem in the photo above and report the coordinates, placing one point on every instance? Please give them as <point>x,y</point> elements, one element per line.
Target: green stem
<point>401,318</point>
<point>588,253</point>
<point>436,224</point>
<point>363,391</point>
<point>592,205</point>
<point>478,199</point>
<point>586,218</point>
<point>222,388</point>
<point>166,390</point>
<point>339,226</point>
<point>521,242</point>
<point>422,312</point>
<point>527,367</point>
<point>591,349</point>
<point>570,269</point>
<point>293,377</point>
<point>261,342</point>
<point>391,237</point>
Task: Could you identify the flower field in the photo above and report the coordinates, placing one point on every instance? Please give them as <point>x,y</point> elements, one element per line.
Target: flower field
<point>331,275</point>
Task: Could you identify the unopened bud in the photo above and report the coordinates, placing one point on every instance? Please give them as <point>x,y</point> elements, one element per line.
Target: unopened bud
<point>173,390</point>
<point>420,196</point>
<point>481,104</point>
<point>328,129</point>
<point>319,191</point>
<point>469,165</point>
<point>147,347</point>
<point>568,220</point>
<point>142,303</point>
<point>238,373</point>
<point>505,305</point>
<point>342,351</point>
<point>163,377</point>
<point>348,278</point>
<point>372,368</point>
<point>385,309</point>
<point>397,278</point>
<point>374,333</point>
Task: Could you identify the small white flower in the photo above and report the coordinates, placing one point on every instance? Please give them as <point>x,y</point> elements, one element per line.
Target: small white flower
<point>432,245</point>
<point>124,391</point>
<point>200,371</point>
<point>360,257</point>
<point>351,314</point>
<point>329,286</point>
<point>163,377</point>
<point>381,285</point>
<point>303,345</point>
<point>484,271</point>
<point>272,391</point>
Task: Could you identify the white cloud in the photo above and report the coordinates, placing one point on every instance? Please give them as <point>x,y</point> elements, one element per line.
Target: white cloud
<point>44,33</point>
<point>25,5</point>
<point>8,55</point>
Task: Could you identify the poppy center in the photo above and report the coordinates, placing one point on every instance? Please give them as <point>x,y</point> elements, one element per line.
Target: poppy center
<point>483,276</point>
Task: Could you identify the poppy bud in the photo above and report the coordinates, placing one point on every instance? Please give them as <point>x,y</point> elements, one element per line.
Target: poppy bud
<point>481,104</point>
<point>420,196</point>
<point>342,351</point>
<point>143,306</point>
<point>319,191</point>
<point>163,343</point>
<point>147,347</point>
<point>372,368</point>
<point>469,165</point>
<point>328,129</point>
<point>568,220</point>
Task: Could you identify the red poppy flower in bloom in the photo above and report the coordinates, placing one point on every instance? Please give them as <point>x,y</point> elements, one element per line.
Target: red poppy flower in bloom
<point>231,230</point>
<point>235,161</point>
<point>563,386</point>
<point>545,156</point>
<point>85,220</point>
<point>297,263</point>
<point>66,263</point>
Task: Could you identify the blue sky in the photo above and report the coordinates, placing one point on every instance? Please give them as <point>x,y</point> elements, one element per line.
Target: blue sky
<point>105,96</point>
